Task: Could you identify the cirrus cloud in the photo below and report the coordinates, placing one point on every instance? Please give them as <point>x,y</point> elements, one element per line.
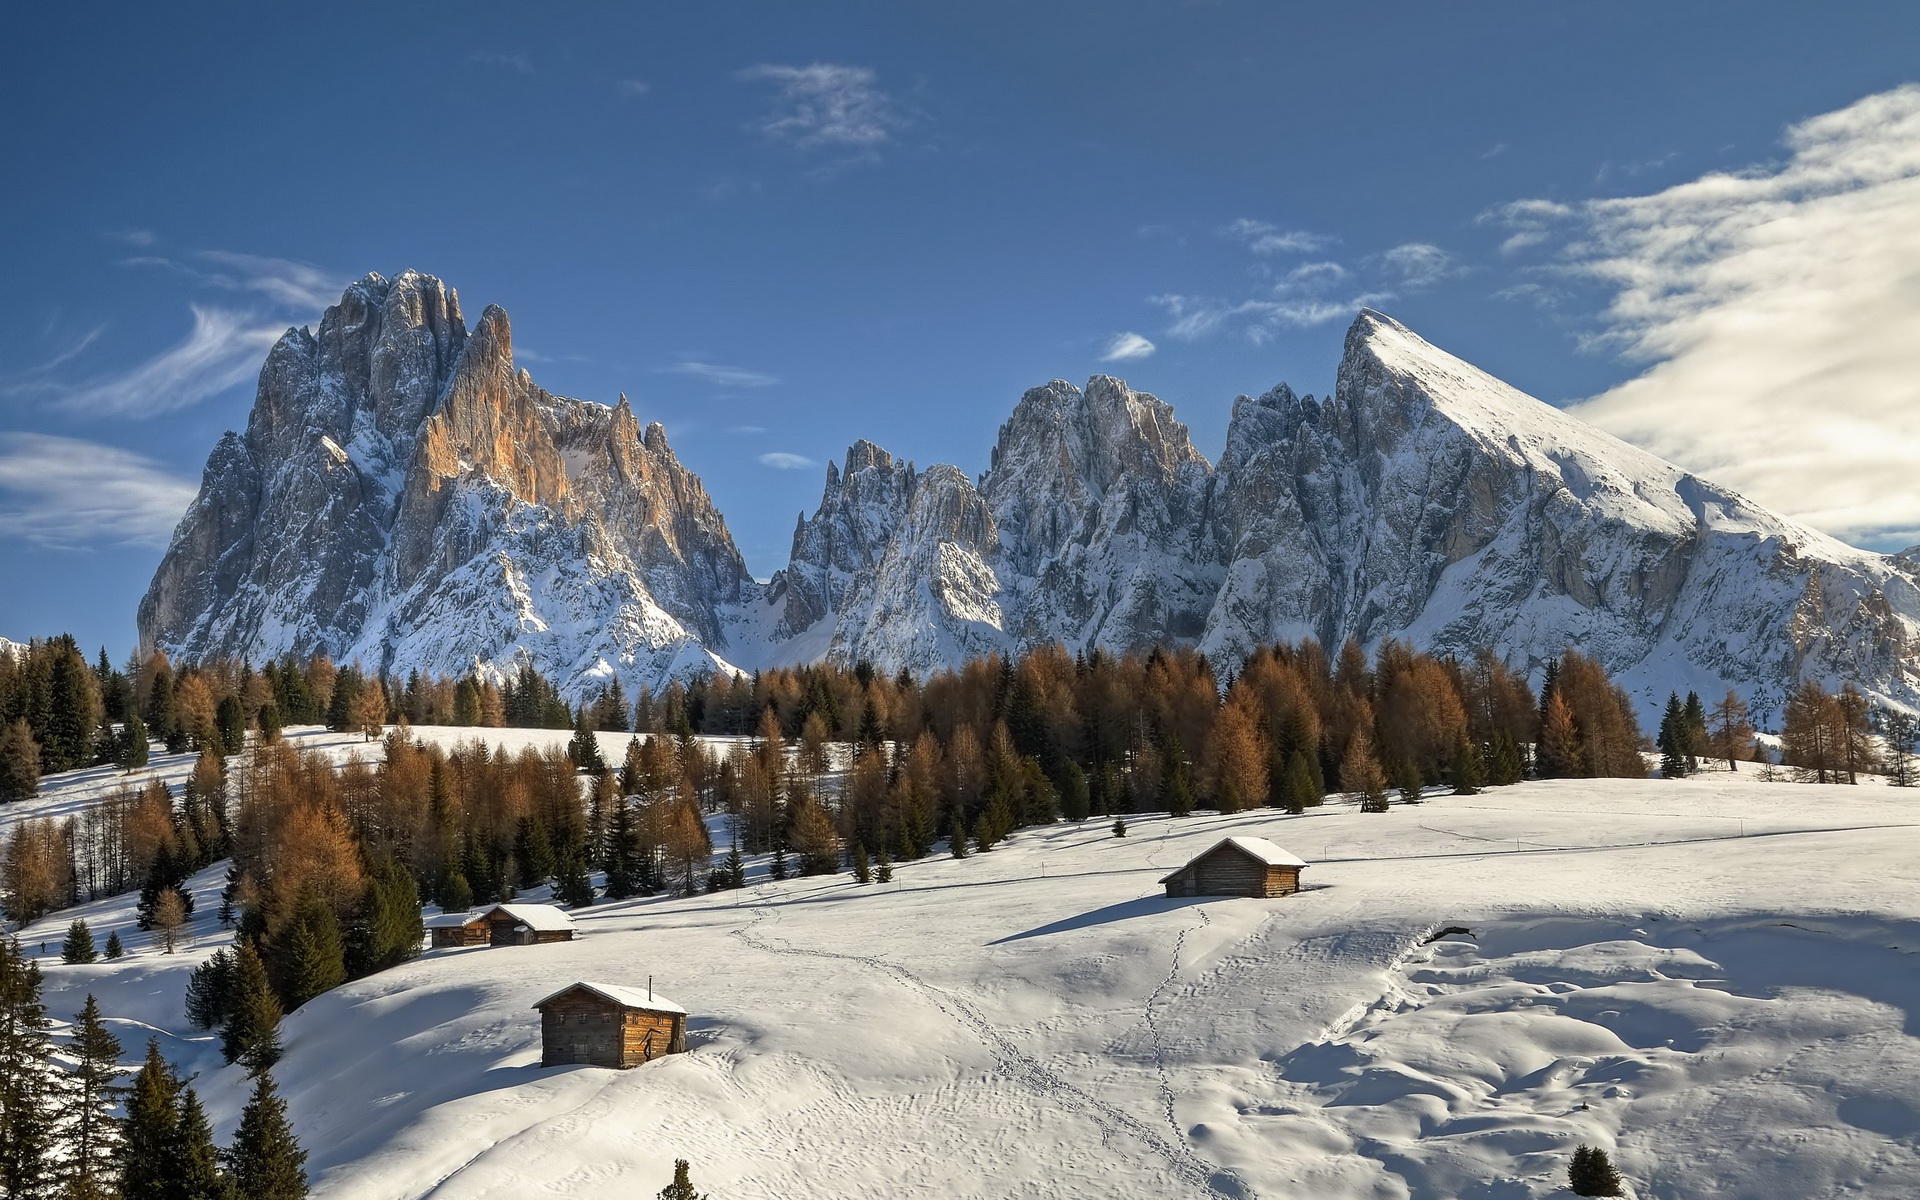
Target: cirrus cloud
<point>782,461</point>
<point>1127,347</point>
<point>65,492</point>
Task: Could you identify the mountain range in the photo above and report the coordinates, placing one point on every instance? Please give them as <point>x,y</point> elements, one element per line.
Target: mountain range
<point>405,496</point>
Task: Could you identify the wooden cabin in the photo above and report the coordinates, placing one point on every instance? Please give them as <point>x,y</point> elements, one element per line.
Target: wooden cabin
<point>502,925</point>
<point>1238,866</point>
<point>601,1025</point>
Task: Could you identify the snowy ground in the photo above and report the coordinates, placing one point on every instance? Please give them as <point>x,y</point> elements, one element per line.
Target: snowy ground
<point>1719,979</point>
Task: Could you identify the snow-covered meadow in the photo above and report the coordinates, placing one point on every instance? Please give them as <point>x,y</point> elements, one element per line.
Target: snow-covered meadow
<point>1717,978</point>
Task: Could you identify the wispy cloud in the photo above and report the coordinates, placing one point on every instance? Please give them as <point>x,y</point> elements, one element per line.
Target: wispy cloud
<point>1263,238</point>
<point>714,373</point>
<point>222,350</point>
<point>1127,347</point>
<point>826,105</point>
<point>782,461</point>
<point>1777,307</point>
<point>74,348</point>
<point>1416,265</point>
<point>132,237</point>
<point>492,58</point>
<point>67,493</point>
<point>1532,221</point>
<point>745,430</point>
<point>294,285</point>
<point>632,87</point>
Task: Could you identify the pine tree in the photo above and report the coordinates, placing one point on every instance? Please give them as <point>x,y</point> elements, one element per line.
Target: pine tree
<point>1119,827</point>
<point>1591,1173</point>
<point>883,867</point>
<point>1672,739</point>
<point>88,1130</point>
<point>456,895</point>
<point>862,869</point>
<point>957,834</point>
<point>574,884</point>
<point>114,948</point>
<point>584,749</point>
<point>1075,798</point>
<point>19,763</point>
<point>265,1161</point>
<point>1300,791</point>
<point>310,955</point>
<point>196,1161</point>
<point>252,1032</point>
<point>1694,716</point>
<point>210,989</point>
<point>682,1186</point>
<point>1406,778</point>
<point>79,947</point>
<point>133,744</point>
<point>28,1082</point>
<point>778,868</point>
<point>152,1129</point>
<point>1466,769</point>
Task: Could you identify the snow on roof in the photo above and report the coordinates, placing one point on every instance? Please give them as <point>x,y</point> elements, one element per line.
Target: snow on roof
<point>1259,848</point>
<point>624,996</point>
<point>453,920</point>
<point>535,916</point>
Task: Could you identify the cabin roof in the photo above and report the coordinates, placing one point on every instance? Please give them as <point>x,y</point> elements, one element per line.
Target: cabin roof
<point>454,920</point>
<point>534,916</point>
<point>625,997</point>
<point>1257,848</point>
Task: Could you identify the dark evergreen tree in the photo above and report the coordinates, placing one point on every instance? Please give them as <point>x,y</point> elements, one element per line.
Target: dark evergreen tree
<point>210,990</point>
<point>682,1186</point>
<point>584,749</point>
<point>89,1133</point>
<point>1301,791</point>
<point>533,852</point>
<point>1406,778</point>
<point>114,948</point>
<point>346,690</point>
<point>265,1161</point>
<point>456,895</point>
<point>1176,779</point>
<point>196,1162</point>
<point>575,885</point>
<point>1075,800</point>
<point>133,744</point>
<point>387,929</point>
<point>1119,827</point>
<point>1466,769</point>
<point>29,1083</point>
<point>309,954</point>
<point>1672,739</point>
<point>862,867</point>
<point>152,1129</point>
<point>270,720</point>
<point>883,866</point>
<point>778,868</point>
<point>230,719</point>
<point>79,947</point>
<point>251,1036</point>
<point>1591,1173</point>
<point>1694,717</point>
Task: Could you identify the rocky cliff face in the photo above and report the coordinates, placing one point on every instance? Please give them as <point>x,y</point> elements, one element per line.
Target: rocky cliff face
<point>403,495</point>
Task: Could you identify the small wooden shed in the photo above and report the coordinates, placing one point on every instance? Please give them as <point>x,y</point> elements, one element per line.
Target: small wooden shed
<point>503,925</point>
<point>1238,866</point>
<point>603,1025</point>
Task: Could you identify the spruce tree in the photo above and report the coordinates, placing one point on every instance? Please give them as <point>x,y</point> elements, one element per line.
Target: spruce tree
<point>778,868</point>
<point>584,749</point>
<point>79,947</point>
<point>29,1083</point>
<point>682,1186</point>
<point>1301,791</point>
<point>862,869</point>
<point>133,744</point>
<point>1671,740</point>
<point>310,954</point>
<point>196,1161</point>
<point>114,948</point>
<point>1694,716</point>
<point>1466,769</point>
<point>210,989</point>
<point>1591,1173</point>
<point>883,866</point>
<point>1119,827</point>
<point>1406,778</point>
<point>265,1161</point>
<point>456,895</point>
<point>152,1129</point>
<point>19,763</point>
<point>252,1032</point>
<point>91,1135</point>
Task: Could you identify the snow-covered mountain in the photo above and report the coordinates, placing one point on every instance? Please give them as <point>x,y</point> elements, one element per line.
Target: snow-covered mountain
<point>405,496</point>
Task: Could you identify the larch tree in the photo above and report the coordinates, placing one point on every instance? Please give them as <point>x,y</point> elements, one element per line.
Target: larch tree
<point>1360,772</point>
<point>1730,730</point>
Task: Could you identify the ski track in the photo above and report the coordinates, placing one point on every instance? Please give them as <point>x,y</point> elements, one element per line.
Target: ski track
<point>1023,1068</point>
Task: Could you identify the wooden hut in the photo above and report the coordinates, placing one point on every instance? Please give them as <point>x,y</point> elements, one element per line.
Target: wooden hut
<point>502,925</point>
<point>1238,866</point>
<point>458,929</point>
<point>601,1025</point>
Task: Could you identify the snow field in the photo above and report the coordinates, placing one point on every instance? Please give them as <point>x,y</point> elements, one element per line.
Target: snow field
<point>1715,978</point>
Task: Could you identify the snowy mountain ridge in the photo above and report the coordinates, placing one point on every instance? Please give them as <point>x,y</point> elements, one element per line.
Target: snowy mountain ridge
<point>404,495</point>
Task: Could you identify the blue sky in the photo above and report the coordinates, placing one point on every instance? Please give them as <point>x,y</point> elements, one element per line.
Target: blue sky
<point>782,227</point>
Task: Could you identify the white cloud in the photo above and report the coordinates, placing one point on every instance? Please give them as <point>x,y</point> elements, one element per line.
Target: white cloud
<point>65,492</point>
<point>632,87</point>
<point>826,104</point>
<point>1127,347</point>
<point>222,350</point>
<point>292,285</point>
<point>787,462</point>
<point>1197,316</point>
<point>1781,308</point>
<point>490,58</point>
<point>1417,264</point>
<point>723,376</point>
<point>1533,221</point>
<point>746,430</point>
<point>1262,238</point>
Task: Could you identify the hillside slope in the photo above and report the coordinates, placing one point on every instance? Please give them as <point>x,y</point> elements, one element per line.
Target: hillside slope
<point>1715,977</point>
